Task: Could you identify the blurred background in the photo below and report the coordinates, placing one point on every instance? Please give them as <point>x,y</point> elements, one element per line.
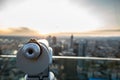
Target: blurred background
<point>79,28</point>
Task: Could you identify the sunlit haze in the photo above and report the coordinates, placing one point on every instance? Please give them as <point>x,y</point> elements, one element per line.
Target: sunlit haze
<point>51,16</point>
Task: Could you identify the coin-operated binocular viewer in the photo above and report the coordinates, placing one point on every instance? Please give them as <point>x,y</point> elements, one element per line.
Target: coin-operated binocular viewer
<point>34,59</point>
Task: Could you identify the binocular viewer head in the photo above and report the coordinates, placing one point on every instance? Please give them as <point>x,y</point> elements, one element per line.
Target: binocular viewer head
<point>31,50</point>
<point>34,57</point>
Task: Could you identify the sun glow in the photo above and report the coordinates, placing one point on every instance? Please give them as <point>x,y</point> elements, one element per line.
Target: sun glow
<point>52,17</point>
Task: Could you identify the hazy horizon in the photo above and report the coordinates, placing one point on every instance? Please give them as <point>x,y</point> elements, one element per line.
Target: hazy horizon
<point>24,31</point>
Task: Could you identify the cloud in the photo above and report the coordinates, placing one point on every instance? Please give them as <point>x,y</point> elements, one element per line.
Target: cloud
<point>8,3</point>
<point>108,30</point>
<point>19,31</point>
<point>107,10</point>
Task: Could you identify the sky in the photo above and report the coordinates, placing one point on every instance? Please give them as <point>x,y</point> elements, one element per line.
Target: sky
<point>50,16</point>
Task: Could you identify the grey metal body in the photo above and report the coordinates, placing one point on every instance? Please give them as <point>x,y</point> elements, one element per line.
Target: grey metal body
<point>34,59</point>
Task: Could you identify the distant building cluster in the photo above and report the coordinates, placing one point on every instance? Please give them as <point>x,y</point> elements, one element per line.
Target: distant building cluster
<point>103,48</point>
<point>94,47</point>
<point>88,47</point>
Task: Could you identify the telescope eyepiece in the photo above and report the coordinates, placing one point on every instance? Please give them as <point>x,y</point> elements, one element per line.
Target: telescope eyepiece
<point>31,50</point>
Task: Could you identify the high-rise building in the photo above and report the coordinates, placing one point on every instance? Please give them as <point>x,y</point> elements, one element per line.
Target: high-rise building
<point>54,40</point>
<point>71,41</point>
